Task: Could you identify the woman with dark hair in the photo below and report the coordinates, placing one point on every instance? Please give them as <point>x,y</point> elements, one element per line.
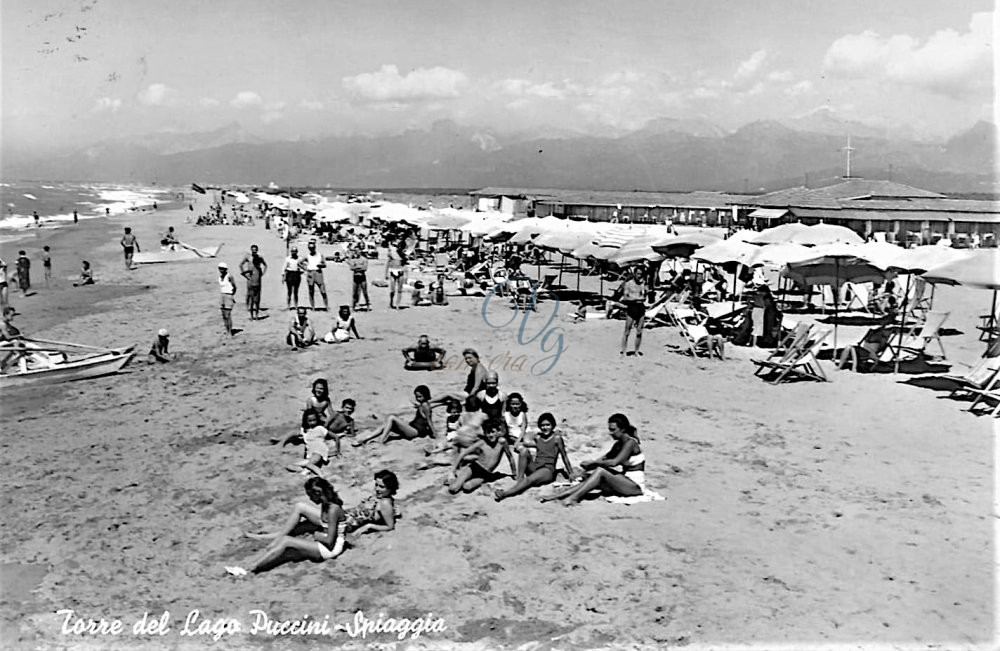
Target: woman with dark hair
<point>621,471</point>
<point>395,271</point>
<point>396,427</point>
<point>330,523</point>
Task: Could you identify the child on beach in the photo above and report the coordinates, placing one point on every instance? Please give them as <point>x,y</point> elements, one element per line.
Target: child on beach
<point>463,430</point>
<point>317,452</point>
<point>539,470</point>
<point>23,272</point>
<point>515,418</point>
<point>491,399</point>
<point>46,264</point>
<point>438,296</point>
<point>160,350</point>
<point>343,328</point>
<point>420,426</point>
<point>86,275</point>
<point>342,422</point>
<point>481,461</point>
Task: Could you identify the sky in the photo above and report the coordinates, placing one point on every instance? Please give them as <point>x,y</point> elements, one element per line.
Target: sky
<point>82,71</point>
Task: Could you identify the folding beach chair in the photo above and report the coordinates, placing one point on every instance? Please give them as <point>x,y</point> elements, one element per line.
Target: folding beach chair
<point>860,298</point>
<point>991,391</point>
<point>802,361</point>
<point>790,346</point>
<point>978,378</point>
<point>698,339</point>
<point>915,342</point>
<point>918,304</point>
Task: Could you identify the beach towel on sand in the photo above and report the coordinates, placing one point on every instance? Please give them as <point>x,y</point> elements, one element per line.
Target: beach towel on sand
<point>647,495</point>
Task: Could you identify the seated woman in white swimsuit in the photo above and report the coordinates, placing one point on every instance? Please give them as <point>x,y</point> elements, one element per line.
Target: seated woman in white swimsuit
<point>625,453</point>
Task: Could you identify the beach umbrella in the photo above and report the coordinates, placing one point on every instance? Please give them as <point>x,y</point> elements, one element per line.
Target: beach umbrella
<point>724,252</point>
<point>974,269</point>
<point>776,256</point>
<point>443,221</point>
<point>683,246</point>
<point>807,235</point>
<point>834,265</point>
<point>922,258</point>
<point>638,248</point>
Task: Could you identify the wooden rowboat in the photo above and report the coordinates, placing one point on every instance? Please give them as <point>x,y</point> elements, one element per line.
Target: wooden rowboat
<point>183,252</point>
<point>29,362</point>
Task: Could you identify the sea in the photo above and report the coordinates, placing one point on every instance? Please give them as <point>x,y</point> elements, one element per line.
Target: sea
<point>55,202</point>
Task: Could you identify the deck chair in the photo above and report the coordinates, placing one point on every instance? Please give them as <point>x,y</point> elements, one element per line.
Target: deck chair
<point>918,303</point>
<point>861,297</point>
<point>442,263</point>
<point>802,361</point>
<point>699,340</point>
<point>989,327</point>
<point>787,348</point>
<point>989,392</point>
<point>978,378</point>
<point>915,343</point>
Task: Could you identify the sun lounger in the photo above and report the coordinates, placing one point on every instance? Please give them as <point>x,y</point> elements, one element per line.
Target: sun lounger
<point>860,298</point>
<point>915,343</point>
<point>799,361</point>
<point>979,377</point>
<point>991,391</point>
<point>787,348</point>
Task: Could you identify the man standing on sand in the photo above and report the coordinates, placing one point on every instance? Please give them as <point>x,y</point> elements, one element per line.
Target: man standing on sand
<point>632,293</point>
<point>359,273</point>
<point>47,264</point>
<point>253,268</point>
<point>314,276</point>
<point>76,218</point>
<point>130,246</point>
<point>37,222</point>
<point>227,291</point>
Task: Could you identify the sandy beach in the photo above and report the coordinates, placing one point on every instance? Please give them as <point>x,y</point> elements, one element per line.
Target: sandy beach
<point>856,512</point>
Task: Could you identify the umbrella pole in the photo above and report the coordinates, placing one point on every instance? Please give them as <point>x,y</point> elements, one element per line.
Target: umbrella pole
<point>902,322</point>
<point>733,295</point>
<point>836,302</point>
<point>991,323</point>
<point>562,263</point>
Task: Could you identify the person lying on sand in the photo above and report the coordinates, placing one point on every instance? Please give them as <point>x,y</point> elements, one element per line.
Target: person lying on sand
<point>160,350</point>
<point>394,427</point>
<point>539,469</point>
<point>423,356</point>
<point>602,475</point>
<point>477,465</point>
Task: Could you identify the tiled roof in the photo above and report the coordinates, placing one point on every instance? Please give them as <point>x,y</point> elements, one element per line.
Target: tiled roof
<point>699,199</point>
<point>850,189</point>
<point>984,217</point>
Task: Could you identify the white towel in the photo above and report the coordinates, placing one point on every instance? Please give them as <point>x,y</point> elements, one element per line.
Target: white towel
<point>647,496</point>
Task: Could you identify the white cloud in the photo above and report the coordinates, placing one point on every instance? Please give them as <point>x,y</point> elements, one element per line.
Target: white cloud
<point>246,98</point>
<point>387,85</point>
<point>208,102</point>
<point>780,76</point>
<point>108,104</point>
<point>268,117</point>
<point>311,105</point>
<point>949,63</point>
<point>750,66</point>
<point>274,106</point>
<point>801,88</point>
<point>156,95</point>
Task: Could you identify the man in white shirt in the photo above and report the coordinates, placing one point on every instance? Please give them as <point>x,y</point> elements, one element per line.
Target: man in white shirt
<point>227,291</point>
<point>314,276</point>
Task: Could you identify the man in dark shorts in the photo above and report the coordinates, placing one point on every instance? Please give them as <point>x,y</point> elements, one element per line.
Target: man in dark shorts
<point>632,294</point>
<point>423,356</point>
<point>253,268</point>
<point>130,246</point>
<point>359,274</point>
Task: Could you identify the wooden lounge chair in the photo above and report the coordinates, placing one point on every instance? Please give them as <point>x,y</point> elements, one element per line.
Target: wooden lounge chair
<point>989,392</point>
<point>861,298</point>
<point>699,340</point>
<point>978,378</point>
<point>787,348</point>
<point>800,361</point>
<point>915,343</point>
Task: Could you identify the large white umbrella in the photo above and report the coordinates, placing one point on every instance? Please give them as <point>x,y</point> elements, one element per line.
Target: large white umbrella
<point>807,235</point>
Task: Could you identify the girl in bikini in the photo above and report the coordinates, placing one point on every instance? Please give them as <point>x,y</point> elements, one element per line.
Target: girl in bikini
<point>619,472</point>
<point>395,427</point>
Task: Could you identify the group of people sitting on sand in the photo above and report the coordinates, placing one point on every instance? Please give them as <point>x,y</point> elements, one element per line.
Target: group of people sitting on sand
<point>302,334</point>
<point>482,428</point>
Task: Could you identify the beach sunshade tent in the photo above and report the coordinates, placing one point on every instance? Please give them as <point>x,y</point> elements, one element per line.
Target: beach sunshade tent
<point>442,221</point>
<point>638,248</point>
<point>683,246</point>
<point>776,256</point>
<point>725,252</point>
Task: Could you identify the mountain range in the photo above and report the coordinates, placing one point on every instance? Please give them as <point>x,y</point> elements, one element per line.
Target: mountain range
<point>665,154</point>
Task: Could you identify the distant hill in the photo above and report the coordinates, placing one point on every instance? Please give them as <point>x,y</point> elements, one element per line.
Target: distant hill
<point>665,154</point>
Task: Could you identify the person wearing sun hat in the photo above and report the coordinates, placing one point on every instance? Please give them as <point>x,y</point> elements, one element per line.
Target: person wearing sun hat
<point>227,291</point>
<point>160,350</point>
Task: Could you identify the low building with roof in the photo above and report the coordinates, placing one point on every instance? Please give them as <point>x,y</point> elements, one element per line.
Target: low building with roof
<point>902,212</point>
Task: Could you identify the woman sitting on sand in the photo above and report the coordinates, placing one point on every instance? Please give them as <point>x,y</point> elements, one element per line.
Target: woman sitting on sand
<point>329,522</point>
<point>474,382</point>
<point>601,474</point>
<point>395,427</point>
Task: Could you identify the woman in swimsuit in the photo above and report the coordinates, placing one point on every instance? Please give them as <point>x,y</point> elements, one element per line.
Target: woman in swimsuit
<point>320,401</point>
<point>395,271</point>
<point>378,512</point>
<point>540,470</point>
<point>343,328</point>
<point>624,454</point>
<point>491,399</point>
<point>394,426</point>
<point>325,518</point>
<point>474,382</point>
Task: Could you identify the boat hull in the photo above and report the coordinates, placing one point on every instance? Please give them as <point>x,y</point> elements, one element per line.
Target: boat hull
<point>181,254</point>
<point>96,366</point>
